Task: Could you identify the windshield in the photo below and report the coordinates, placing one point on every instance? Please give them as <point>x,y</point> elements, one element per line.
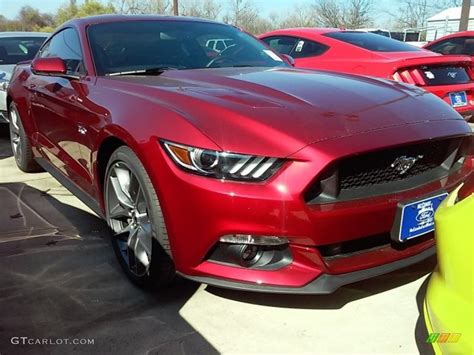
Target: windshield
<point>372,42</point>
<point>130,46</point>
<point>18,49</point>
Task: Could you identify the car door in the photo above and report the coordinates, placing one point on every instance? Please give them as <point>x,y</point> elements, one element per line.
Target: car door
<point>62,112</point>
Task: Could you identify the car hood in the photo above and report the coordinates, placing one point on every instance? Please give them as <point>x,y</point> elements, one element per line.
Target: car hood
<point>280,110</point>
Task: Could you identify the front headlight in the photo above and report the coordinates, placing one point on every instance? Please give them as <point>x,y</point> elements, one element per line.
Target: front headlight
<point>222,165</point>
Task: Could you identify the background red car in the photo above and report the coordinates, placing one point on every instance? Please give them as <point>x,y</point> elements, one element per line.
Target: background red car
<point>364,53</point>
<point>460,43</point>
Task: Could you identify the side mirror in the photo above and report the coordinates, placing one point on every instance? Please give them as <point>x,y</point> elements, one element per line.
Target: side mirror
<point>49,66</point>
<point>289,59</point>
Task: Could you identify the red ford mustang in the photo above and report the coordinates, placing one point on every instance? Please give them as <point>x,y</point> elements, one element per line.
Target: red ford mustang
<point>235,170</point>
<point>450,78</point>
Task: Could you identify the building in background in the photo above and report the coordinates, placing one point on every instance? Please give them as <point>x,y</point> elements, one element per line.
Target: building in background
<point>447,22</point>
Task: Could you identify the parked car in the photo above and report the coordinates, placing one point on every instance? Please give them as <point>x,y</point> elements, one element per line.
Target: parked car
<point>450,78</point>
<point>459,43</point>
<point>15,47</point>
<point>449,302</point>
<point>377,31</point>
<point>238,171</point>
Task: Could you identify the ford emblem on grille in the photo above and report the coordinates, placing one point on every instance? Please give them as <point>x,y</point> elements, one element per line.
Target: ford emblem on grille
<point>403,164</point>
<point>452,74</point>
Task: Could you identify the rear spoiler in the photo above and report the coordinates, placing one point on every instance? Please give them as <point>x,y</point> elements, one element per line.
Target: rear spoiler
<point>433,60</point>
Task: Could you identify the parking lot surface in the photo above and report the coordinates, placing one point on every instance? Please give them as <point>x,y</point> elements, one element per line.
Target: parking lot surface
<point>59,280</point>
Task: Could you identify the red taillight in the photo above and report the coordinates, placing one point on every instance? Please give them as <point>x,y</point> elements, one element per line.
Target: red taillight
<point>409,76</point>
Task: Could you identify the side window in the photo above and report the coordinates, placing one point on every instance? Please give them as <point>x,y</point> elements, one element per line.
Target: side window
<point>306,48</point>
<point>281,44</point>
<point>66,46</point>
<point>469,46</point>
<point>449,46</point>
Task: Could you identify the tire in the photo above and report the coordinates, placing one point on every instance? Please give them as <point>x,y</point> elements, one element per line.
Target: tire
<point>20,144</point>
<point>134,214</point>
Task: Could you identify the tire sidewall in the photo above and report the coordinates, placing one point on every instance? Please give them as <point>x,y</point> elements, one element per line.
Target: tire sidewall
<point>159,258</point>
<point>21,160</point>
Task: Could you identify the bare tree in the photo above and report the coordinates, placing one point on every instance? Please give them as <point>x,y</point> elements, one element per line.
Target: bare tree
<point>443,4</point>
<point>414,13</point>
<point>328,13</point>
<point>357,13</point>
<point>299,16</point>
<point>200,8</point>
<point>239,12</point>
<point>143,6</point>
<point>336,13</point>
<point>243,14</point>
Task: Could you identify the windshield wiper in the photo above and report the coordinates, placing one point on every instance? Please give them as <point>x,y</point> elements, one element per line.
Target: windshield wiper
<point>149,71</point>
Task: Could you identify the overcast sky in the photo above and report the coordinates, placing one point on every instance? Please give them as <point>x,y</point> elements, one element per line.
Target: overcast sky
<point>9,8</point>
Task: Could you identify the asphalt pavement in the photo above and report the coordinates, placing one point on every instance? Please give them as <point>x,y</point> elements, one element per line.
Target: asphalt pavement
<point>62,291</point>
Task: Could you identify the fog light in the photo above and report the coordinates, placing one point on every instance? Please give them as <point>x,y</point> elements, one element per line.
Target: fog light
<point>249,252</point>
<point>253,239</point>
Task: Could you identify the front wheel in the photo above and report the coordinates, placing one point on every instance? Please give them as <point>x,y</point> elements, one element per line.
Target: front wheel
<point>134,214</point>
<point>20,144</point>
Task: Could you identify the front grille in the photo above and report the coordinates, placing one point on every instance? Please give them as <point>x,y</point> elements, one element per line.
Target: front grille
<point>375,173</point>
<point>376,168</point>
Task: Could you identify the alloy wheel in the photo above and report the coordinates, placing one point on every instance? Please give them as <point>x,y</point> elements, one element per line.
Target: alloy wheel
<point>15,134</point>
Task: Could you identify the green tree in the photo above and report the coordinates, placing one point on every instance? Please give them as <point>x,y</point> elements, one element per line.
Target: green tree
<point>33,20</point>
<point>71,10</point>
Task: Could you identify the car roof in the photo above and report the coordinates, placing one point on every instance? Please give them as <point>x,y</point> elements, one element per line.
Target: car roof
<point>92,20</point>
<point>24,34</point>
<point>308,31</point>
<point>452,35</point>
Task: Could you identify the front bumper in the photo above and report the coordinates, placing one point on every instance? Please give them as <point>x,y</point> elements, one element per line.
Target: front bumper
<point>199,210</point>
<point>324,284</point>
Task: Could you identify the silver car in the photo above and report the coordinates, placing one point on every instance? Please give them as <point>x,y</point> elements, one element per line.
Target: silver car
<point>15,47</point>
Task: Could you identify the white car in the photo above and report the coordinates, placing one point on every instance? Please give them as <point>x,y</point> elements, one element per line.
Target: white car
<point>15,47</point>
